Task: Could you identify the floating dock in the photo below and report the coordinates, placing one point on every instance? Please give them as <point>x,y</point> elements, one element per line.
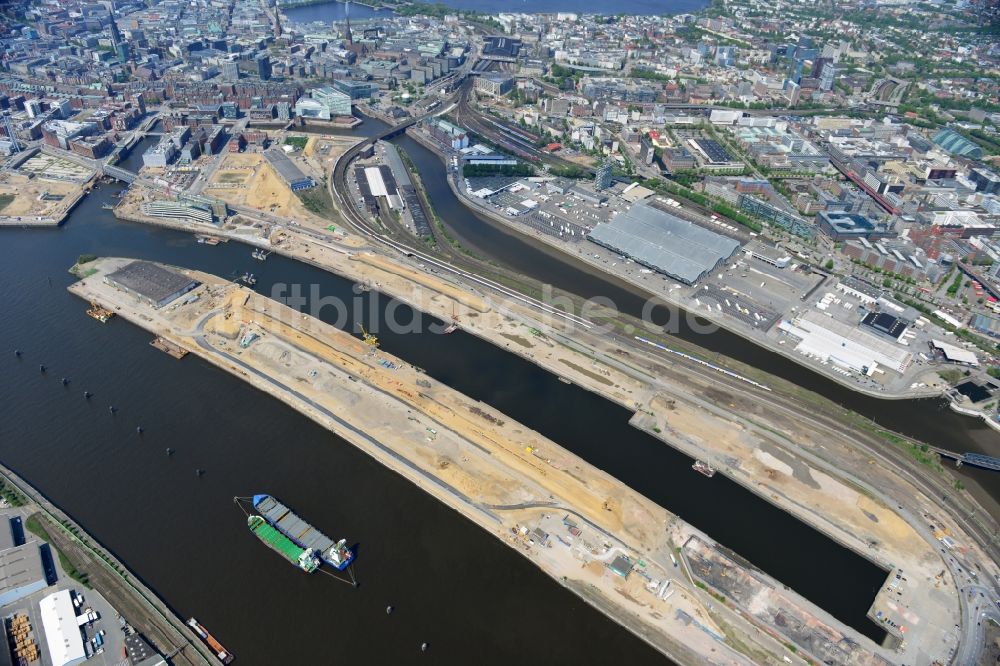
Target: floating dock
<point>169,347</point>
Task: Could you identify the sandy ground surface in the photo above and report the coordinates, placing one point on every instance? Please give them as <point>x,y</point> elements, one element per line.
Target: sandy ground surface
<point>246,179</point>
<point>570,518</point>
<point>705,427</point>
<point>28,192</point>
<point>322,152</point>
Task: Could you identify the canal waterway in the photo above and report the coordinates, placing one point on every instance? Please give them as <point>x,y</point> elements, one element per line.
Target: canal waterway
<point>929,420</point>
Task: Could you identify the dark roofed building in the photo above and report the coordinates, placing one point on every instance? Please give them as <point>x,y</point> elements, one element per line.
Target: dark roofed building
<point>622,566</point>
<point>21,572</point>
<point>499,47</point>
<point>713,151</point>
<point>842,225</point>
<point>151,283</point>
<point>886,323</point>
<point>288,171</point>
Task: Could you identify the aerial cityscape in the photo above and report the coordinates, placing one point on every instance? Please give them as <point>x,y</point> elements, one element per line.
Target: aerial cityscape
<point>655,332</point>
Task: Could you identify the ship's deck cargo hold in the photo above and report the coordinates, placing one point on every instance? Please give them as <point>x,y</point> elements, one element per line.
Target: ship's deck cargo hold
<point>665,242</point>
<point>281,544</point>
<point>297,529</point>
<point>221,653</point>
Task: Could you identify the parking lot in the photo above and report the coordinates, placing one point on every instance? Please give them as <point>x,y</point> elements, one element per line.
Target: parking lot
<point>730,302</point>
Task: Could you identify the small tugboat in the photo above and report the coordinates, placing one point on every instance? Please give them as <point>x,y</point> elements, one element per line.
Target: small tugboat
<point>703,468</point>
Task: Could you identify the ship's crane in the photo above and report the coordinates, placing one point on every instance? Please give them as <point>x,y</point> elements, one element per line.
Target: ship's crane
<point>369,339</point>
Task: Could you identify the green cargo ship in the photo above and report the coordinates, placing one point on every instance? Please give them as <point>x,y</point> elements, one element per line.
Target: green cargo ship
<point>303,558</point>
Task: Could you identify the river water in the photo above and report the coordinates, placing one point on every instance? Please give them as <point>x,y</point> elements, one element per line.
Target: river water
<point>335,11</point>
<point>452,584</point>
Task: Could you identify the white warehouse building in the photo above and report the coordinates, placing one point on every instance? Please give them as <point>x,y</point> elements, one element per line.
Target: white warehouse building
<point>62,629</point>
<point>845,345</point>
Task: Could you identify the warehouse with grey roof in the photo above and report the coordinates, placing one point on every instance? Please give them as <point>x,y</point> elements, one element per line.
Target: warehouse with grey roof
<point>665,243</point>
<point>151,283</point>
<point>290,173</point>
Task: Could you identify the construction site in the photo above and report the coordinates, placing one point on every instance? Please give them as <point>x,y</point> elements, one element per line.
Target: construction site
<point>501,475</point>
<point>510,479</point>
<point>251,178</point>
<point>246,179</point>
<point>36,200</point>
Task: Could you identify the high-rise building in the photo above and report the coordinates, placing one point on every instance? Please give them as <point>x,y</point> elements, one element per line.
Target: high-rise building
<point>118,44</point>
<point>603,179</point>
<point>824,71</point>
<point>263,67</point>
<point>793,91</point>
<point>230,71</point>
<point>646,150</point>
<point>725,56</point>
<point>33,107</point>
<point>827,76</point>
<point>985,181</point>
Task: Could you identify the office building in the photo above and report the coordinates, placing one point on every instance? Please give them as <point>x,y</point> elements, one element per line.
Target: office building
<point>494,84</point>
<point>230,71</point>
<point>985,180</point>
<point>604,176</point>
<point>263,67</point>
